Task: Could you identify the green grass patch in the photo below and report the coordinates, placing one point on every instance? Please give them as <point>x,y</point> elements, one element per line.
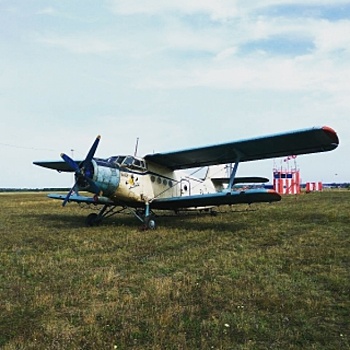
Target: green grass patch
<point>276,277</point>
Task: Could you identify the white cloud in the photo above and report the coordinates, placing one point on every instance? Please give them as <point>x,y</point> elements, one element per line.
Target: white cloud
<point>47,11</point>
<point>216,9</point>
<point>226,53</point>
<point>211,57</point>
<point>330,37</point>
<point>81,44</point>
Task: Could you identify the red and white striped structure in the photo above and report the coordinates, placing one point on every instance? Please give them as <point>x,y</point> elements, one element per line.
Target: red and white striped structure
<point>286,181</point>
<point>314,187</point>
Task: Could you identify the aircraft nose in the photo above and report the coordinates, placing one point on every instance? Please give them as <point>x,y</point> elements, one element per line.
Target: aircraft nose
<point>107,178</point>
<point>85,178</point>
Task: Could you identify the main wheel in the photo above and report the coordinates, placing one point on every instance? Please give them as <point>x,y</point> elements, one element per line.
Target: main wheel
<point>92,219</point>
<point>151,224</point>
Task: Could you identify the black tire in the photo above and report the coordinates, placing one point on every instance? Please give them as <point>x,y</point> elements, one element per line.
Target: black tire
<point>92,220</point>
<point>150,224</point>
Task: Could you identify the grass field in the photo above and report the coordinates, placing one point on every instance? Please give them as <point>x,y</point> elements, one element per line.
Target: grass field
<point>273,277</point>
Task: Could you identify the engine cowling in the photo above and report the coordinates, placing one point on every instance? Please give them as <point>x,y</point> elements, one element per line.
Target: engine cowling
<point>107,178</point>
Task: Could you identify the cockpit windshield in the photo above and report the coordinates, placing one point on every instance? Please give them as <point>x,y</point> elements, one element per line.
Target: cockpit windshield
<point>128,162</point>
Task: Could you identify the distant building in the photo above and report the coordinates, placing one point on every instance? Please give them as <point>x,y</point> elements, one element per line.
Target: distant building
<point>313,187</point>
<point>286,181</point>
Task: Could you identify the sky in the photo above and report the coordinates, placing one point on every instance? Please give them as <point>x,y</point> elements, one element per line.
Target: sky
<point>177,74</point>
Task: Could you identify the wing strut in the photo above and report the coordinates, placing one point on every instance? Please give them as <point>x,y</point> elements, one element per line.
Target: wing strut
<point>233,174</point>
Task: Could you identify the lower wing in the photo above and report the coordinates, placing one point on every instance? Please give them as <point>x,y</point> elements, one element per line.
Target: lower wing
<point>82,199</point>
<point>216,199</point>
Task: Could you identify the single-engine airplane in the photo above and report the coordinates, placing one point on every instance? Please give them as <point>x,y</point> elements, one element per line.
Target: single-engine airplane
<point>141,185</point>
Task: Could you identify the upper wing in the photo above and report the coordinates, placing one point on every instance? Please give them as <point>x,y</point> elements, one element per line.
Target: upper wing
<point>57,165</point>
<point>215,199</point>
<point>305,141</point>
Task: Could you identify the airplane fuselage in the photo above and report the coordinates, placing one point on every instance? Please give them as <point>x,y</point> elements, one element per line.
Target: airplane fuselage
<point>134,181</point>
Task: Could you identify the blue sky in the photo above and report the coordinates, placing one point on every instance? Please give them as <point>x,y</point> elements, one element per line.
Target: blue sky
<point>178,74</point>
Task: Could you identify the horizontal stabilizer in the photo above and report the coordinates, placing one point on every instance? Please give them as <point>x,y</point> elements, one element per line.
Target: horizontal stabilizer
<point>240,180</point>
<point>59,165</point>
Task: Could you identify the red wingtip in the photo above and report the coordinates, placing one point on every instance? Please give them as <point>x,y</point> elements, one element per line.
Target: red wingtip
<point>332,134</point>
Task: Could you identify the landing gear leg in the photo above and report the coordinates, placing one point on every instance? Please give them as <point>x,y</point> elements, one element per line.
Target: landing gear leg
<point>149,223</point>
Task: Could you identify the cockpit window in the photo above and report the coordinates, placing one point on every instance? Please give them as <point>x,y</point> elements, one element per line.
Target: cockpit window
<point>137,163</point>
<point>120,159</point>
<point>129,162</point>
<point>113,159</point>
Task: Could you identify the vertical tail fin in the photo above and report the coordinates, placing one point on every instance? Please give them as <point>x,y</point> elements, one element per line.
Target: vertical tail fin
<point>219,176</point>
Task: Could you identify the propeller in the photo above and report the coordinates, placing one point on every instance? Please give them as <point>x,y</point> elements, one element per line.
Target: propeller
<point>81,169</point>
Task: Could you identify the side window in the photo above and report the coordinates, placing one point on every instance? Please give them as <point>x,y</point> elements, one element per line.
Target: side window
<point>137,163</point>
<point>120,160</point>
<point>128,161</point>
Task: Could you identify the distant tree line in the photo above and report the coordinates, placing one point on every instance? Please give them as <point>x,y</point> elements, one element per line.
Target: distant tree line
<point>45,189</point>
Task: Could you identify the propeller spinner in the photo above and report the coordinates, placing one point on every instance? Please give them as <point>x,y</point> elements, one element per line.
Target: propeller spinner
<point>82,170</point>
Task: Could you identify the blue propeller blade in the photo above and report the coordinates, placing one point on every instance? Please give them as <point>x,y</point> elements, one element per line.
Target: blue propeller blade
<point>74,166</point>
<point>80,170</point>
<point>92,151</point>
<point>68,195</point>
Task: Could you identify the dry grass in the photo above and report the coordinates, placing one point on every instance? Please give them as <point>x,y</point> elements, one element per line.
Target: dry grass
<point>273,278</point>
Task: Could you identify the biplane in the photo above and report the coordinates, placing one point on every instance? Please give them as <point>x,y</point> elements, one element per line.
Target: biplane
<point>156,181</point>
